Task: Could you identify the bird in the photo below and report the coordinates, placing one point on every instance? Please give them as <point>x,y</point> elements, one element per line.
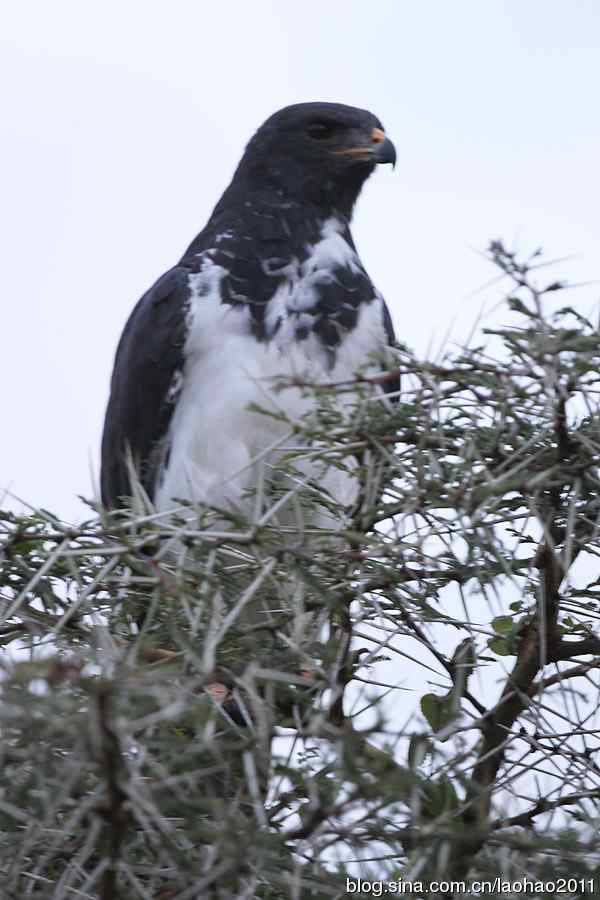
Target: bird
<point>271,288</point>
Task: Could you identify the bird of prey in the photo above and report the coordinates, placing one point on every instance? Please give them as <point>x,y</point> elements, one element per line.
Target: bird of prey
<point>271,287</point>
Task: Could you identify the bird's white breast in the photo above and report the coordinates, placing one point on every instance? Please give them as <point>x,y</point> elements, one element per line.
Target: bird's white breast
<point>215,437</point>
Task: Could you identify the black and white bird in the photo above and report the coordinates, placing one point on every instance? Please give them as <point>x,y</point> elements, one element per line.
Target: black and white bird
<point>272,287</point>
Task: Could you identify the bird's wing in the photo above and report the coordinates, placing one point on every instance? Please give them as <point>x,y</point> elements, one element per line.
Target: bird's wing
<point>144,387</point>
<point>391,385</point>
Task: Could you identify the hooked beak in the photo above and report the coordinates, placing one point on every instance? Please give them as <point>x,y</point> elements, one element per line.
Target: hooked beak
<point>380,149</point>
<point>385,152</point>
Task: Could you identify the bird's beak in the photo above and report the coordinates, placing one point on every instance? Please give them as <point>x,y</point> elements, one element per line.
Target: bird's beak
<point>380,149</point>
<point>384,150</point>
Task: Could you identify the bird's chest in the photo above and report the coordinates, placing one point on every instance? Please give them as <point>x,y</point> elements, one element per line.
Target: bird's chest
<point>315,327</point>
<point>311,319</point>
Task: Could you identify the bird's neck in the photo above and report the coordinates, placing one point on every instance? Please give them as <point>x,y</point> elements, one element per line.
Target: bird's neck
<point>269,224</point>
<point>319,195</point>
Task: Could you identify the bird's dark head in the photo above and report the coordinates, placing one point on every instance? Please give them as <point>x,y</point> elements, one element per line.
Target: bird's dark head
<point>320,153</point>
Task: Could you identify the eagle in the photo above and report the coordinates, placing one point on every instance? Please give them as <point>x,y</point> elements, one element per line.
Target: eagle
<point>272,288</point>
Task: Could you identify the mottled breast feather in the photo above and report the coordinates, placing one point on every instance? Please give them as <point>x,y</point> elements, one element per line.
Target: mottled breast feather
<point>308,268</point>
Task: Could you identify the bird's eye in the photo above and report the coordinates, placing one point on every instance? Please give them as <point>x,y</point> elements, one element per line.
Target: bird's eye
<point>321,131</point>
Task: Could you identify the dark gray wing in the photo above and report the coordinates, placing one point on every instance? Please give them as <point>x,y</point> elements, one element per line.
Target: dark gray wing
<point>392,385</point>
<point>143,393</point>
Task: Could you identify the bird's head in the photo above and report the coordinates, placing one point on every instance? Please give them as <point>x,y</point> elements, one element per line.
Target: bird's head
<point>317,152</point>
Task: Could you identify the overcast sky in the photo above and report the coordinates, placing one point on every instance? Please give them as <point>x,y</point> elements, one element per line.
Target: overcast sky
<point>122,122</point>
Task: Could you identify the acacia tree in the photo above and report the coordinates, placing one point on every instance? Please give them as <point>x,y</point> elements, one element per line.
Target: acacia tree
<point>196,708</point>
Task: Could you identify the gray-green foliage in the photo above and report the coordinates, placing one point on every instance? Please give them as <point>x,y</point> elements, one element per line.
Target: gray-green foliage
<point>180,697</point>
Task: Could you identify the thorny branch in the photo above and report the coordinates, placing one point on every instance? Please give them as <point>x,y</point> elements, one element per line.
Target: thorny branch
<point>196,706</point>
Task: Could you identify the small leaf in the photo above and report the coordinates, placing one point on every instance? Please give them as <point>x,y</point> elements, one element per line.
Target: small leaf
<point>499,646</point>
<point>439,797</point>
<point>419,747</point>
<point>437,710</point>
<point>463,661</point>
<point>503,624</point>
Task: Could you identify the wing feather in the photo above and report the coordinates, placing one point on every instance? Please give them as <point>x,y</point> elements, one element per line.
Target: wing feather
<point>148,369</point>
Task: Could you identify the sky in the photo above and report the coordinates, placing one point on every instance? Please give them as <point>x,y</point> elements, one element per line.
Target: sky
<point>122,123</point>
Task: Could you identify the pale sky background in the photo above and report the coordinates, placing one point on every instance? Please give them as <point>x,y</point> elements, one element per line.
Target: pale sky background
<point>122,122</point>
